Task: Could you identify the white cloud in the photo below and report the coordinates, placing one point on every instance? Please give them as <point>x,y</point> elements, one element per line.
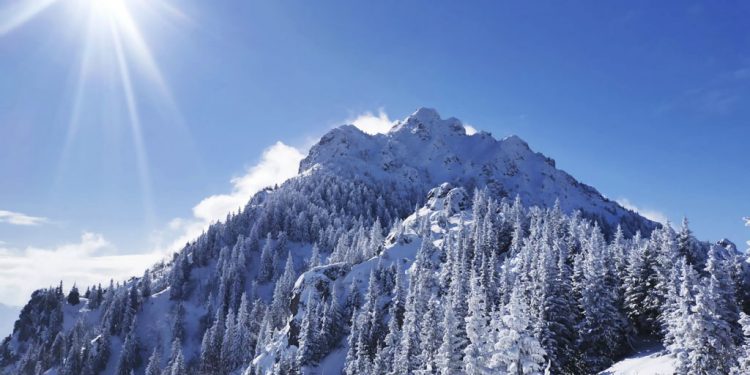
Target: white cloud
<point>381,123</point>
<point>648,213</point>
<point>470,130</point>
<point>278,163</point>
<point>91,260</point>
<point>371,123</point>
<point>17,218</point>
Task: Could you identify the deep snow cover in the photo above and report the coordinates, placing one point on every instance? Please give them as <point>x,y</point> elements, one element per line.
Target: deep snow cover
<point>425,150</point>
<point>422,250</point>
<point>652,360</point>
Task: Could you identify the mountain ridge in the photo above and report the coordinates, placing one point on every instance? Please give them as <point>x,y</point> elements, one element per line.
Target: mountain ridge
<point>349,213</point>
<point>428,150</point>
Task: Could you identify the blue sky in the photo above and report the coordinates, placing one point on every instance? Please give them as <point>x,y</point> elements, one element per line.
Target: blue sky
<point>648,102</point>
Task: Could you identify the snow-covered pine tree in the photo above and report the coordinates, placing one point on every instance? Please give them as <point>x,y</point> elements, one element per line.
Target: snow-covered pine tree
<point>210,360</point>
<point>177,365</point>
<point>677,322</point>
<point>71,366</point>
<point>282,241</point>
<point>641,280</point>
<point>431,334</point>
<point>448,358</point>
<point>353,362</point>
<point>407,355</point>
<point>478,352</point>
<point>722,291</point>
<point>743,361</point>
<point>129,355</point>
<point>665,243</point>
<point>332,325</point>
<point>280,304</point>
<point>515,350</point>
<point>102,351</point>
<point>231,349</point>
<point>386,354</point>
<point>374,331</point>
<point>309,333</point>
<point>265,270</point>
<point>559,310</point>
<point>687,246</point>
<point>314,257</point>
<point>154,363</point>
<point>709,339</point>
<point>74,296</point>
<point>374,241</point>
<point>178,322</point>
<point>246,335</point>
<point>179,275</point>
<point>145,284</point>
<point>603,326</point>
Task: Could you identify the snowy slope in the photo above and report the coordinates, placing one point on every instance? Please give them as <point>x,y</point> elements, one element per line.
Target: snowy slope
<point>388,174</point>
<point>648,361</point>
<point>424,150</point>
<point>446,210</point>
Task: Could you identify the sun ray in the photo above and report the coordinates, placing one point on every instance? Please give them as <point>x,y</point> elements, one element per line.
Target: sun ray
<point>15,17</point>
<point>112,41</point>
<point>132,38</point>
<point>80,82</point>
<point>126,24</point>
<point>172,11</point>
<point>135,125</point>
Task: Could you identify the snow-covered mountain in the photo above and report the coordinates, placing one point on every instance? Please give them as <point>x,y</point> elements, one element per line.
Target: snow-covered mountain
<point>424,151</point>
<point>422,250</point>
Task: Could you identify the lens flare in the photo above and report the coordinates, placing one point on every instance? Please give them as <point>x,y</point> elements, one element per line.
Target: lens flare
<point>111,34</point>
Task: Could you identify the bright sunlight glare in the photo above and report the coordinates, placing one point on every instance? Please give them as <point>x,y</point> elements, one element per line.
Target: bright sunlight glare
<point>112,31</point>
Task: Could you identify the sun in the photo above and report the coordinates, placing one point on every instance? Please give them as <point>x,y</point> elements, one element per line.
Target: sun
<point>109,4</point>
<point>106,7</point>
<point>111,29</point>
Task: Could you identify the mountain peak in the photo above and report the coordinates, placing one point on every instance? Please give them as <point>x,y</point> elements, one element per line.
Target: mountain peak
<point>514,142</point>
<point>424,150</point>
<point>425,115</point>
<point>427,123</point>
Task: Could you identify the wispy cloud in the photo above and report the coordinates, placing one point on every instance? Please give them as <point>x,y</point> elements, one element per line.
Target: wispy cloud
<point>713,100</point>
<point>17,218</point>
<point>723,95</point>
<point>91,260</point>
<point>371,123</point>
<point>278,163</point>
<point>470,130</point>
<point>648,213</point>
<point>381,123</point>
